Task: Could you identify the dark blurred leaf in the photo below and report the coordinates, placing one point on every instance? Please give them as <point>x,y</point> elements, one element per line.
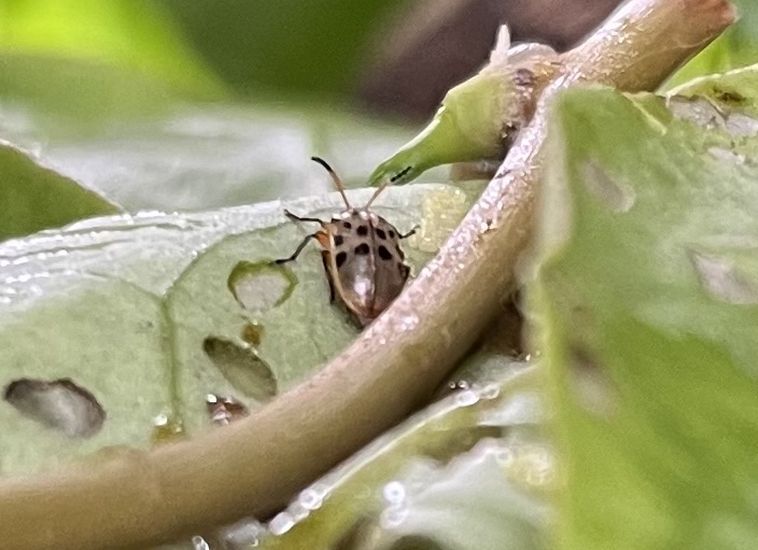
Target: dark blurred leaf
<point>35,198</point>
<point>300,47</point>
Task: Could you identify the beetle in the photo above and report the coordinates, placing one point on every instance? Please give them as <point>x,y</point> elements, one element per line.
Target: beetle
<point>364,263</point>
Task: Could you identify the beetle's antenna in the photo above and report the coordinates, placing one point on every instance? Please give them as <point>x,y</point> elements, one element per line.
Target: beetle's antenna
<point>337,181</point>
<point>377,192</point>
<point>383,186</point>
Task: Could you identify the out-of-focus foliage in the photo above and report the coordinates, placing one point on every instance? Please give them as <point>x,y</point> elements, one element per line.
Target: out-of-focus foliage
<point>35,198</point>
<point>647,305</point>
<point>93,58</point>
<point>300,48</point>
<point>199,157</point>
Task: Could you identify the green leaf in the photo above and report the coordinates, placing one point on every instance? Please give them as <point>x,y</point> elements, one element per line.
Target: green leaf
<point>202,157</point>
<point>737,47</point>
<point>288,46</point>
<point>400,487</point>
<point>646,299</point>
<point>136,36</point>
<point>36,198</point>
<point>138,310</point>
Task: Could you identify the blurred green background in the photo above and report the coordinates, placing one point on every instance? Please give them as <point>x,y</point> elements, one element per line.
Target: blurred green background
<point>178,105</point>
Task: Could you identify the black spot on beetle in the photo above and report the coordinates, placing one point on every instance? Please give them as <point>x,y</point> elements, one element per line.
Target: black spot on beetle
<point>338,240</point>
<point>340,259</point>
<point>392,234</point>
<point>362,249</point>
<point>347,225</point>
<point>362,230</point>
<point>384,254</point>
<point>381,233</point>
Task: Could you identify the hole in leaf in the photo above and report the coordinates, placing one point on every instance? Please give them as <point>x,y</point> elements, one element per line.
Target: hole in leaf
<point>242,367</point>
<point>261,285</point>
<point>720,277</point>
<point>59,404</point>
<point>224,410</point>
<point>619,198</point>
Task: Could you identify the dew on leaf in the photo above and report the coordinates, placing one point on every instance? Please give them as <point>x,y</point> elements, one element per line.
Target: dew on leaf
<point>281,523</point>
<point>252,333</point>
<point>167,428</point>
<point>59,404</point>
<point>242,367</point>
<point>224,410</point>
<point>720,277</point>
<point>616,196</point>
<point>260,286</point>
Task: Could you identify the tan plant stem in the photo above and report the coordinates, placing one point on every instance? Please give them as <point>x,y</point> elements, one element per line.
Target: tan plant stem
<point>256,465</point>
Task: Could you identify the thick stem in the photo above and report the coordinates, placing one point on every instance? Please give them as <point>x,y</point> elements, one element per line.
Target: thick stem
<point>256,465</point>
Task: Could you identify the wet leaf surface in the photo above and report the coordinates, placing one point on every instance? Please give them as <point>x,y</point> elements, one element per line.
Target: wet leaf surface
<point>124,305</point>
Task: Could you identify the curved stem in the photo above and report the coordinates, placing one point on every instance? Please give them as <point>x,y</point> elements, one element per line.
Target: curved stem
<point>255,465</point>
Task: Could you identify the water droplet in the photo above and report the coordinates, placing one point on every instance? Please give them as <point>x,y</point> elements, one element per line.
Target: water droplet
<point>166,428</point>
<point>393,517</point>
<point>313,497</point>
<point>466,398</point>
<point>199,543</point>
<point>490,391</point>
<point>60,404</point>
<point>722,279</point>
<point>252,333</point>
<point>245,533</point>
<point>408,322</point>
<point>618,197</point>
<point>282,522</point>
<point>394,492</point>
<point>243,367</point>
<point>262,285</point>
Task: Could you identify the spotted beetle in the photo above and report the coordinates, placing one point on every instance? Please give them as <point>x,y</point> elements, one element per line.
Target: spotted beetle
<point>364,263</point>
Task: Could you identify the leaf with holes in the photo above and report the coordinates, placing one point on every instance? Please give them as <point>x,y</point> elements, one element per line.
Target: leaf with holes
<point>647,299</point>
<point>144,310</point>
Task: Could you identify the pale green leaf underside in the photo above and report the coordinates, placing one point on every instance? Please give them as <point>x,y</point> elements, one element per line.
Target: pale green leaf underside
<point>123,305</point>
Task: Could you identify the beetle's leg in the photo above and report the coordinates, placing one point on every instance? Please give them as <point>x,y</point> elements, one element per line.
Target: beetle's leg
<point>411,232</point>
<point>325,260</point>
<point>297,218</point>
<point>298,250</point>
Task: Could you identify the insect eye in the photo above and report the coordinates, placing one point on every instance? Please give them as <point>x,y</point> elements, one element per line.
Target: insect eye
<point>381,233</point>
<point>362,230</point>
<point>384,254</point>
<point>362,249</point>
<point>340,259</point>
